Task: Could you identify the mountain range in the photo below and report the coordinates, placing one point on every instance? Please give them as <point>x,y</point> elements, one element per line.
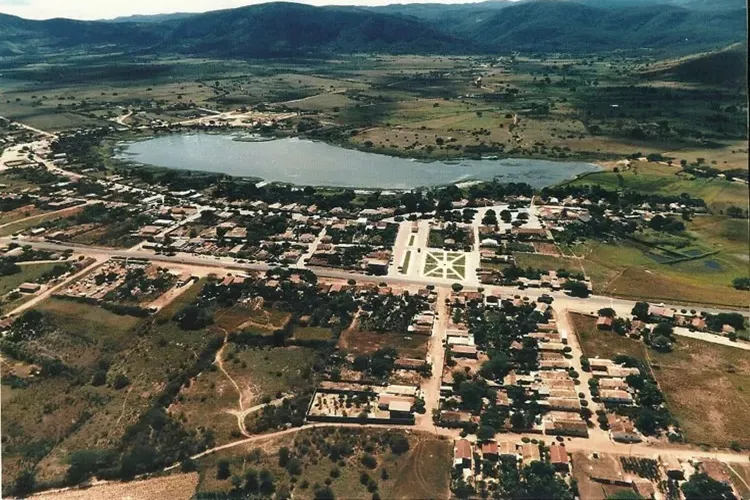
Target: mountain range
<point>282,29</point>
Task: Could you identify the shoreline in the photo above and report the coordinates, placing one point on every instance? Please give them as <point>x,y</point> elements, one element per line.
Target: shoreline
<point>121,156</point>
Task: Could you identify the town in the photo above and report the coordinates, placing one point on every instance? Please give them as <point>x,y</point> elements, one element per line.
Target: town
<point>427,321</point>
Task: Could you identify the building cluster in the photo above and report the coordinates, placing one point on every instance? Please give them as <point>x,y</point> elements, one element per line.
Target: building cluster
<point>552,385</point>
<point>138,279</point>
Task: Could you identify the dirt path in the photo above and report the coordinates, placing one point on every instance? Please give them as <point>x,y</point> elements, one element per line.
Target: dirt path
<point>219,361</point>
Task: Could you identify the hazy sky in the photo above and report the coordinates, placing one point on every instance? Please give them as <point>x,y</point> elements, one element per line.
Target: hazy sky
<point>103,9</point>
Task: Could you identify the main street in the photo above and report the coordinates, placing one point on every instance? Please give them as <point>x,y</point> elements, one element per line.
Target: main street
<point>593,303</point>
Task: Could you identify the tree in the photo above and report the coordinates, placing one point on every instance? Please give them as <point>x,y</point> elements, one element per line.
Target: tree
<point>251,481</point>
<point>25,483</point>
<point>607,312</point>
<point>324,493</point>
<point>741,283</point>
<point>486,432</point>
<point>664,329</point>
<point>496,367</point>
<point>398,443</point>
<point>369,461</point>
<point>701,486</point>
<point>661,343</point>
<point>734,212</point>
<point>457,287</point>
<point>640,311</point>
<point>121,381</point>
<point>577,289</point>
<point>222,470</point>
<point>193,318</point>
<point>283,456</point>
<point>266,482</point>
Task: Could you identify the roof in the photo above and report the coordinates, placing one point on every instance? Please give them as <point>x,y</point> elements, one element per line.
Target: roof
<point>402,406</point>
<point>462,449</point>
<point>604,321</point>
<point>489,448</point>
<point>558,454</point>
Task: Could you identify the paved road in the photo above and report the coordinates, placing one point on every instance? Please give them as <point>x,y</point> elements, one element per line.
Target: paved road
<point>562,301</point>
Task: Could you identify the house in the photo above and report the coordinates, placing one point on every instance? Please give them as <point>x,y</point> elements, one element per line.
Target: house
<point>29,287</point>
<point>490,450</point>
<point>400,409</point>
<point>615,396</point>
<point>530,453</point>
<point>376,265</point>
<point>661,312</point>
<point>558,457</point>
<point>622,430</point>
<point>698,324</point>
<point>604,323</point>
<point>462,454</point>
<point>672,467</point>
<point>507,449</point>
<point>464,351</point>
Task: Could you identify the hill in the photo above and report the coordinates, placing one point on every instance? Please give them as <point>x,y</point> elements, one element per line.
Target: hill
<point>289,29</point>
<point>20,36</point>
<point>536,26</point>
<point>727,68</point>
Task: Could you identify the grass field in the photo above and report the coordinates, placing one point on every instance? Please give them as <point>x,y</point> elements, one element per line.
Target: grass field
<point>596,343</point>
<point>24,224</point>
<point>312,333</point>
<point>546,262</point>
<point>706,385</point>
<point>650,177</point>
<point>625,270</point>
<point>30,272</point>
<point>264,372</point>
<point>49,416</point>
<point>175,487</point>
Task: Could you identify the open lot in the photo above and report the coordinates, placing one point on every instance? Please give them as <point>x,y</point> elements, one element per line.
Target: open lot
<point>29,273</point>
<point>359,342</point>
<point>421,472</point>
<point>176,486</point>
<point>705,384</point>
<point>623,268</point>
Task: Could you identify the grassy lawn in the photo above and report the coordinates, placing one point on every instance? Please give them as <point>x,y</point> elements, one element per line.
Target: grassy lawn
<point>407,260</point>
<point>30,272</point>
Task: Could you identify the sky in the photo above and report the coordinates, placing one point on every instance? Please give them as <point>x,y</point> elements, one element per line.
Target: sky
<point>106,9</point>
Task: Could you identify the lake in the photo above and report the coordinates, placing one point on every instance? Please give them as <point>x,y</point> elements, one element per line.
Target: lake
<point>305,162</point>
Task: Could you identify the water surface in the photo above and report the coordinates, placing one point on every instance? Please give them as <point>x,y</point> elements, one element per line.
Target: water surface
<point>304,162</point>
